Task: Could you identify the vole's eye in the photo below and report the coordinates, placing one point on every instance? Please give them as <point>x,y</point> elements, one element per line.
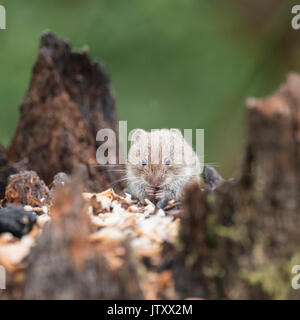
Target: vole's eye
<point>167,161</point>
<point>144,162</point>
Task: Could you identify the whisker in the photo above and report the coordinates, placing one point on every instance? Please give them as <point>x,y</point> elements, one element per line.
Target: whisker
<point>123,179</point>
<point>182,175</point>
<point>112,170</point>
<point>107,165</point>
<point>115,182</point>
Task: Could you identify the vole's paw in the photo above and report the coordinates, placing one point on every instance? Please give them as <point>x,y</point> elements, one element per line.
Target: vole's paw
<point>159,195</point>
<point>150,191</point>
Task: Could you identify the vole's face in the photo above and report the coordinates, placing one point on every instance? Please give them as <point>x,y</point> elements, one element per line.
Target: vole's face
<point>156,175</point>
<point>151,158</point>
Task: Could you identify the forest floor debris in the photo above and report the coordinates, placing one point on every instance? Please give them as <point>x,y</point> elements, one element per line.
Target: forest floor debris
<point>115,219</point>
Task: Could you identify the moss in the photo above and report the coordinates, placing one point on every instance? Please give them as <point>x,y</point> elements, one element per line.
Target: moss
<point>235,233</point>
<point>274,279</point>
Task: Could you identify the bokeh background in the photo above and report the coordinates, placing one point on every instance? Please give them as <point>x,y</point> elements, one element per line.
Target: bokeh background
<point>173,63</point>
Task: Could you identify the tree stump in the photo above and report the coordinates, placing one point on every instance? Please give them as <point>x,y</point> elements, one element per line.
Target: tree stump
<point>66,265</point>
<point>243,241</point>
<point>68,101</point>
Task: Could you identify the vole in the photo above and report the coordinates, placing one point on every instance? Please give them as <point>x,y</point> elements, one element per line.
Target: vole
<point>160,164</point>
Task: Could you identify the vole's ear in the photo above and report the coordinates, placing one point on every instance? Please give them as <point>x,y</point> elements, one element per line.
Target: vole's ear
<point>137,135</point>
<point>176,131</point>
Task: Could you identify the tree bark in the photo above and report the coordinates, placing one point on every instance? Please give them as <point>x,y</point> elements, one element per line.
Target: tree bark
<point>7,169</point>
<point>26,188</point>
<point>68,101</point>
<point>243,241</point>
<point>66,265</point>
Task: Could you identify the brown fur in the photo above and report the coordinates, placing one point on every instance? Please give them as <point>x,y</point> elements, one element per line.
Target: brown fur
<point>166,170</point>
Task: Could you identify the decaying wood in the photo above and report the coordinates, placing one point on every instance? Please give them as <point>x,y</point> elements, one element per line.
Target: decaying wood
<point>243,241</point>
<point>4,173</point>
<point>26,188</point>
<point>7,169</point>
<point>3,159</point>
<point>76,267</point>
<point>68,101</point>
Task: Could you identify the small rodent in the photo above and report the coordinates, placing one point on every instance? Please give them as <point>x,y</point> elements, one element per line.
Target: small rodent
<point>160,164</point>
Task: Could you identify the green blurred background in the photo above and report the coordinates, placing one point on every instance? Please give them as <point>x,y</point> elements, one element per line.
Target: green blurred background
<point>173,63</point>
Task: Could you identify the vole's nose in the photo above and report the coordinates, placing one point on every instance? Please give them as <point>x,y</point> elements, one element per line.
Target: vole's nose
<point>156,180</point>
